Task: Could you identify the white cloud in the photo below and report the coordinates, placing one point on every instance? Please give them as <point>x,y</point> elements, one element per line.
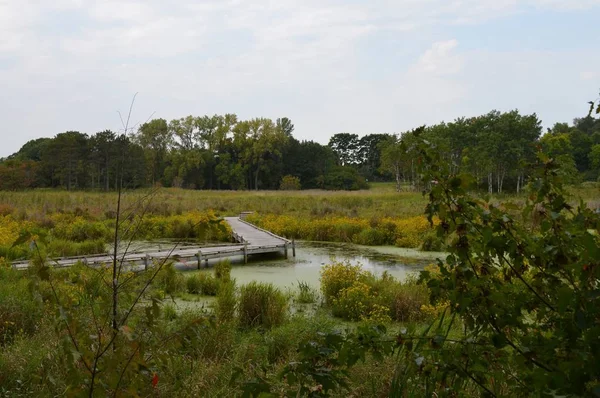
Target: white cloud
<point>589,75</point>
<point>65,64</point>
<point>441,59</point>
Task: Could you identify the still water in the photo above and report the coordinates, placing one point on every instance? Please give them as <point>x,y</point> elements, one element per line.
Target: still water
<point>312,256</point>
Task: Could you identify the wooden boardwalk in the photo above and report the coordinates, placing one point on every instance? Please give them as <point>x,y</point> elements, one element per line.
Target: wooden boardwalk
<point>249,239</point>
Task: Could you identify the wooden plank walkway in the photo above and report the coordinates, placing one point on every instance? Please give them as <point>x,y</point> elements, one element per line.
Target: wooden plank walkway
<point>250,240</point>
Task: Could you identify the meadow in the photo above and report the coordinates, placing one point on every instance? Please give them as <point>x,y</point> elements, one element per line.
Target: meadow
<point>358,335</point>
<point>79,223</point>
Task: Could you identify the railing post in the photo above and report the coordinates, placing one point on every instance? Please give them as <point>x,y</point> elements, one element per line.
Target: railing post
<point>286,250</point>
<point>293,247</point>
<point>245,253</point>
<point>146,261</point>
<point>199,255</point>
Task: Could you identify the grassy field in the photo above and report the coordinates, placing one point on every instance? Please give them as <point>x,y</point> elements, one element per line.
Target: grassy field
<point>379,216</point>
<point>380,201</point>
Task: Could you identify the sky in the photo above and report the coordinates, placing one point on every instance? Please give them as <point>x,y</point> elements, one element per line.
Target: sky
<point>331,66</point>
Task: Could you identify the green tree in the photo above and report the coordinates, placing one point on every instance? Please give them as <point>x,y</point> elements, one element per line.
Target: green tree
<point>558,146</point>
<point>103,153</point>
<point>65,158</point>
<point>286,126</point>
<point>32,150</point>
<point>346,147</point>
<point>369,155</point>
<point>156,139</point>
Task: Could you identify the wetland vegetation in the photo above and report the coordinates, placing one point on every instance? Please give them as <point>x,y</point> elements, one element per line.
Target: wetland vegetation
<point>509,308</point>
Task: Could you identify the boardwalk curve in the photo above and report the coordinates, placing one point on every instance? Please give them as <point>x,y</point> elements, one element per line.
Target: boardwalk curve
<point>249,238</point>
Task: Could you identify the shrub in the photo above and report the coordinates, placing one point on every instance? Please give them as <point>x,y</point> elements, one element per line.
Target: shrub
<point>201,226</point>
<point>79,229</point>
<point>169,312</point>
<point>338,276</point>
<point>282,341</point>
<point>202,283</point>
<point>194,285</point>
<point>223,270</point>
<point>371,237</point>
<point>290,183</point>
<point>353,302</point>
<point>9,230</point>
<point>354,294</point>
<point>66,248</point>
<point>19,311</point>
<point>261,304</point>
<point>202,338</point>
<point>408,302</point>
<point>169,280</point>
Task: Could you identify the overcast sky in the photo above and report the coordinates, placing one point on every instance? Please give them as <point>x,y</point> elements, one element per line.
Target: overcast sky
<point>361,66</point>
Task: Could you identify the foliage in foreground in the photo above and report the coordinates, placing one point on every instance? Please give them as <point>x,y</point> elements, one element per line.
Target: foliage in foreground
<point>524,281</point>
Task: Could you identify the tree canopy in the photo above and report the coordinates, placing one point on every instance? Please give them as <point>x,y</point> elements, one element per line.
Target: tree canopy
<point>224,152</point>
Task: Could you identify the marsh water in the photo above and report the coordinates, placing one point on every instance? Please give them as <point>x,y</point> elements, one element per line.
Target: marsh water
<point>312,256</point>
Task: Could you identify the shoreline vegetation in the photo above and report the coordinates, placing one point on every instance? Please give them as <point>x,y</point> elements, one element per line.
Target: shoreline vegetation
<point>80,223</point>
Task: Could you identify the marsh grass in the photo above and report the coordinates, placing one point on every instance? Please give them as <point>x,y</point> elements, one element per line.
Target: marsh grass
<point>306,293</point>
<point>202,283</point>
<point>227,303</point>
<point>223,270</point>
<point>261,304</point>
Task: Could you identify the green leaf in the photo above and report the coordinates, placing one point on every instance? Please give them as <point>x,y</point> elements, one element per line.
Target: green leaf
<point>24,237</point>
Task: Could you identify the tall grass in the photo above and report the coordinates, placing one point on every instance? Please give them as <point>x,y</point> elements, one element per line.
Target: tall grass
<point>306,293</point>
<point>261,304</point>
<point>202,283</point>
<point>20,312</point>
<point>223,270</point>
<point>226,302</point>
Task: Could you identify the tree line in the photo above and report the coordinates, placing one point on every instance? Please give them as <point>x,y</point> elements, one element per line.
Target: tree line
<point>223,152</point>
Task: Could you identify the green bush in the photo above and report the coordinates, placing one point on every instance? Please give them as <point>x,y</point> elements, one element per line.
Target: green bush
<point>290,183</point>
<point>13,253</point>
<point>261,304</point>
<point>202,338</point>
<point>194,285</point>
<point>338,276</point>
<point>210,285</point>
<point>371,237</point>
<point>354,294</point>
<point>170,280</point>
<point>202,283</point>
<point>78,229</point>
<point>354,302</point>
<point>66,248</point>
<point>223,270</point>
<point>19,310</point>
<point>282,341</point>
